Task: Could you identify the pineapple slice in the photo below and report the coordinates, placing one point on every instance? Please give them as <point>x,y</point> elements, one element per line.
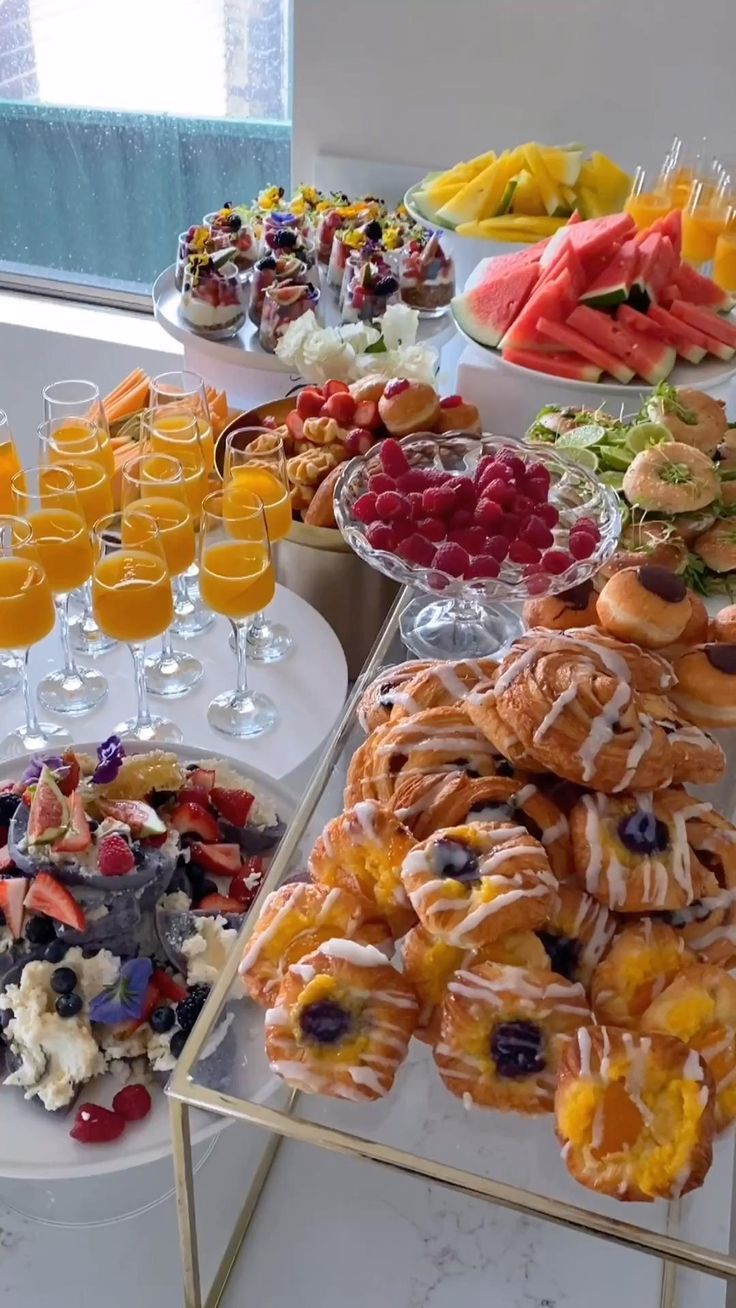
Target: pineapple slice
<point>562,164</point>
<point>608,183</point>
<point>527,197</point>
<point>549,189</point>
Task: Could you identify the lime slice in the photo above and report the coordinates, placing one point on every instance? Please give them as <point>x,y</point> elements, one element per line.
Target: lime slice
<point>616,458</point>
<point>645,434</point>
<point>581,437</point>
<point>585,458</point>
<point>614,480</point>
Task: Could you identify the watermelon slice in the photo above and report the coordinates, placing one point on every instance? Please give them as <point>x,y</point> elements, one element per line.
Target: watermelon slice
<point>556,365</point>
<point>657,263</point>
<point>613,283</point>
<point>697,289</point>
<point>573,340</point>
<point>692,334</point>
<point>644,322</point>
<point>670,226</point>
<point>488,309</point>
<point>707,322</point>
<point>599,235</point>
<point>553,298</point>
<point>652,360</point>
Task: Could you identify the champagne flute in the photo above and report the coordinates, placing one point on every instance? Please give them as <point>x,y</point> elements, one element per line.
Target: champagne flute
<point>9,466</point>
<point>263,471</point>
<point>179,394</point>
<point>131,597</point>
<point>69,401</point>
<point>154,484</point>
<point>236,580</point>
<point>46,497</point>
<point>26,617</point>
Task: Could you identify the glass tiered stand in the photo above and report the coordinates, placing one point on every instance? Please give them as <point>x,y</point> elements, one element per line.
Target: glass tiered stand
<point>419,1128</point>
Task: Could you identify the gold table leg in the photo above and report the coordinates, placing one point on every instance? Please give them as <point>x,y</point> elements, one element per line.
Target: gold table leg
<point>185,1207</point>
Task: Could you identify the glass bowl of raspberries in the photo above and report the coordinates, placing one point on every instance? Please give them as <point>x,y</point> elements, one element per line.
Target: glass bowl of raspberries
<point>474,524</point>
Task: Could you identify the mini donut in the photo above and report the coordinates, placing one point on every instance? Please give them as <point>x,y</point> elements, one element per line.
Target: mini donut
<point>708,925</point>
<point>692,525</point>
<point>442,684</point>
<point>471,884</point>
<point>293,921</point>
<point>706,685</point>
<point>647,541</point>
<point>341,1023</point>
<point>717,546</point>
<point>671,478</point>
<point>374,709</point>
<point>699,1008</point>
<point>457,415</point>
<point>642,961</point>
<point>577,934</point>
<point>321,511</point>
<point>723,625</point>
<point>631,852</point>
<point>696,628</point>
<point>502,1032</point>
<point>634,1114</point>
<point>435,741</point>
<point>362,851</point>
<point>409,406</point>
<point>698,419</point>
<point>370,387</point>
<point>647,605</point>
<point>575,607</point>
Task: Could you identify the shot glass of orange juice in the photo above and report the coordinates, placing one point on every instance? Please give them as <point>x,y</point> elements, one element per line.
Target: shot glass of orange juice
<point>180,394</point>
<point>236,580</point>
<point>154,484</point>
<point>46,496</point>
<point>131,597</point>
<point>26,617</point>
<point>258,465</point>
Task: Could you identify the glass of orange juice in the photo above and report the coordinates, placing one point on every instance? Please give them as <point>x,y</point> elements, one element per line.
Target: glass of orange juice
<point>69,400</point>
<point>263,471</point>
<point>26,617</point>
<point>703,220</point>
<point>724,258</point>
<point>9,463</point>
<point>649,198</point>
<point>236,580</point>
<point>131,597</point>
<point>46,496</point>
<point>182,393</point>
<point>154,484</point>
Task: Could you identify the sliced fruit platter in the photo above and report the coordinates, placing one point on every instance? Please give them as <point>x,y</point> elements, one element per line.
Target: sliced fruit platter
<point>124,876</point>
<point>521,194</point>
<point>600,299</point>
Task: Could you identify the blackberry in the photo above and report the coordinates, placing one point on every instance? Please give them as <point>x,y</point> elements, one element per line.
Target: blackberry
<point>8,804</point>
<point>177,1042</point>
<point>189,1009</point>
<point>285,239</point>
<point>386,286</point>
<point>373,231</point>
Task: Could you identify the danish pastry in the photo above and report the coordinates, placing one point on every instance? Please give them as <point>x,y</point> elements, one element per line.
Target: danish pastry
<point>577,934</point>
<point>575,607</point>
<point>648,605</point>
<point>321,511</point>
<point>502,1033</point>
<point>341,1023</point>
<point>699,1007</point>
<point>362,851</point>
<point>471,884</point>
<point>706,685</point>
<point>442,684</point>
<point>634,1114</point>
<point>374,709</point>
<point>643,959</point>
<point>708,925</point>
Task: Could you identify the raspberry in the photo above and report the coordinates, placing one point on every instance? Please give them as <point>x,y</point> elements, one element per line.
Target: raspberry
<point>393,460</point>
<point>538,472</point>
<point>483,565</point>
<point>413,480</point>
<point>379,483</point>
<point>472,539</point>
<point>536,490</point>
<point>396,387</point>
<point>509,525</point>
<point>433,528</point>
<point>582,544</point>
<point>452,558</point>
<point>536,582</point>
<point>460,518</point>
<point>500,491</point>
<point>516,466</point>
<point>497,547</point>
<point>133,1103</point>
<point>522,505</point>
<point>402,528</point>
<point>438,501</point>
<point>416,510</point>
<point>520,551</point>
<point>548,513</point>
<point>556,561</point>
<point>114,856</point>
<point>389,505</point>
<point>536,532</point>
<point>488,512</point>
<point>417,549</point>
<point>381,536</point>
<point>365,509</point>
<point>587,524</point>
<point>96,1125</point>
<point>465,493</point>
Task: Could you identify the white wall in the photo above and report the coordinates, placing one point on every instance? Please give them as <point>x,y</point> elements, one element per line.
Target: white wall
<point>426,82</point>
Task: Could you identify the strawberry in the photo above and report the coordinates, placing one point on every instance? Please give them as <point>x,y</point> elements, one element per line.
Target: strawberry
<point>220,904</point>
<point>295,425</point>
<point>201,778</point>
<point>114,856</point>
<point>309,402</point>
<point>12,896</point>
<point>47,895</point>
<point>94,1124</point>
<point>69,783</point>
<point>223,860</point>
<point>6,862</point>
<point>335,388</point>
<point>245,886</point>
<point>133,1103</point>
<point>233,805</point>
<point>167,987</point>
<point>366,415</point>
<point>191,819</point>
<point>341,407</point>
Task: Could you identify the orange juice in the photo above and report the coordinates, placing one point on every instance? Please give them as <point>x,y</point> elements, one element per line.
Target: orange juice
<point>94,489</point>
<point>647,206</point>
<point>74,438</point>
<point>26,606</point>
<point>169,425</point>
<point>700,231</point>
<point>236,578</point>
<point>724,261</point>
<point>131,595</point>
<point>271,490</point>
<point>174,522</point>
<point>64,548</point>
<point>9,466</point>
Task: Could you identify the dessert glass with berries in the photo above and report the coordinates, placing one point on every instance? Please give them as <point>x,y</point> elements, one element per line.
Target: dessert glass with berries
<point>195,240</point>
<point>212,298</point>
<point>370,285</point>
<point>283,304</point>
<point>473,523</point>
<point>270,270</point>
<point>426,275</point>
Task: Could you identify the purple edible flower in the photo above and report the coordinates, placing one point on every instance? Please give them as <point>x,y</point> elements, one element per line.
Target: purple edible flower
<point>125,1000</point>
<point>110,754</point>
<point>33,771</point>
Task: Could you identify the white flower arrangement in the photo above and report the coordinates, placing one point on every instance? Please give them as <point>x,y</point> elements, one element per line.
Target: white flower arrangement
<point>320,354</point>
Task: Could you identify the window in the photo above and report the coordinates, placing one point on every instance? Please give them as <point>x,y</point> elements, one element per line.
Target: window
<point>122,124</point>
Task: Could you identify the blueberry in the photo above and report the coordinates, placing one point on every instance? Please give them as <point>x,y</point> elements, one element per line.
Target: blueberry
<point>504,768</point>
<point>486,811</point>
<point>189,1009</point>
<point>386,285</point>
<point>8,805</point>
<point>40,931</point>
<point>373,231</point>
<point>563,953</point>
<point>162,1019</point>
<point>69,1005</point>
<point>451,859</point>
<point>324,1021</point>
<point>643,833</point>
<point>54,952</point>
<point>266,264</point>
<point>177,1042</point>
<point>285,239</point>
<point>516,1049</point>
<point>235,222</point>
<point>6,1017</point>
<point>63,980</point>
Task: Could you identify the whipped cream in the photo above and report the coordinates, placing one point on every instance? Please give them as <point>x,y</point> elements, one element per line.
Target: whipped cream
<point>207,950</point>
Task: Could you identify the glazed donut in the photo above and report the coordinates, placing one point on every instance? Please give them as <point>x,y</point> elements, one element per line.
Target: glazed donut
<point>575,607</point>
<point>471,884</point>
<point>717,546</point>
<point>647,605</point>
<point>409,406</point>
<point>634,1114</point>
<point>671,478</point>
<point>341,1023</point>
<point>708,925</point>
<point>370,387</point>
<point>362,851</point>
<point>643,959</point>
<point>442,684</point>
<point>647,541</point>
<point>706,685</point>
<point>502,1031</point>
<point>698,420</point>
<point>293,921</point>
<point>435,741</point>
<point>696,628</point>
<point>723,626</point>
<point>321,510</point>
<point>457,415</point>
<point>577,934</point>
<point>631,852</point>
<point>377,701</point>
<point>699,1008</point>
